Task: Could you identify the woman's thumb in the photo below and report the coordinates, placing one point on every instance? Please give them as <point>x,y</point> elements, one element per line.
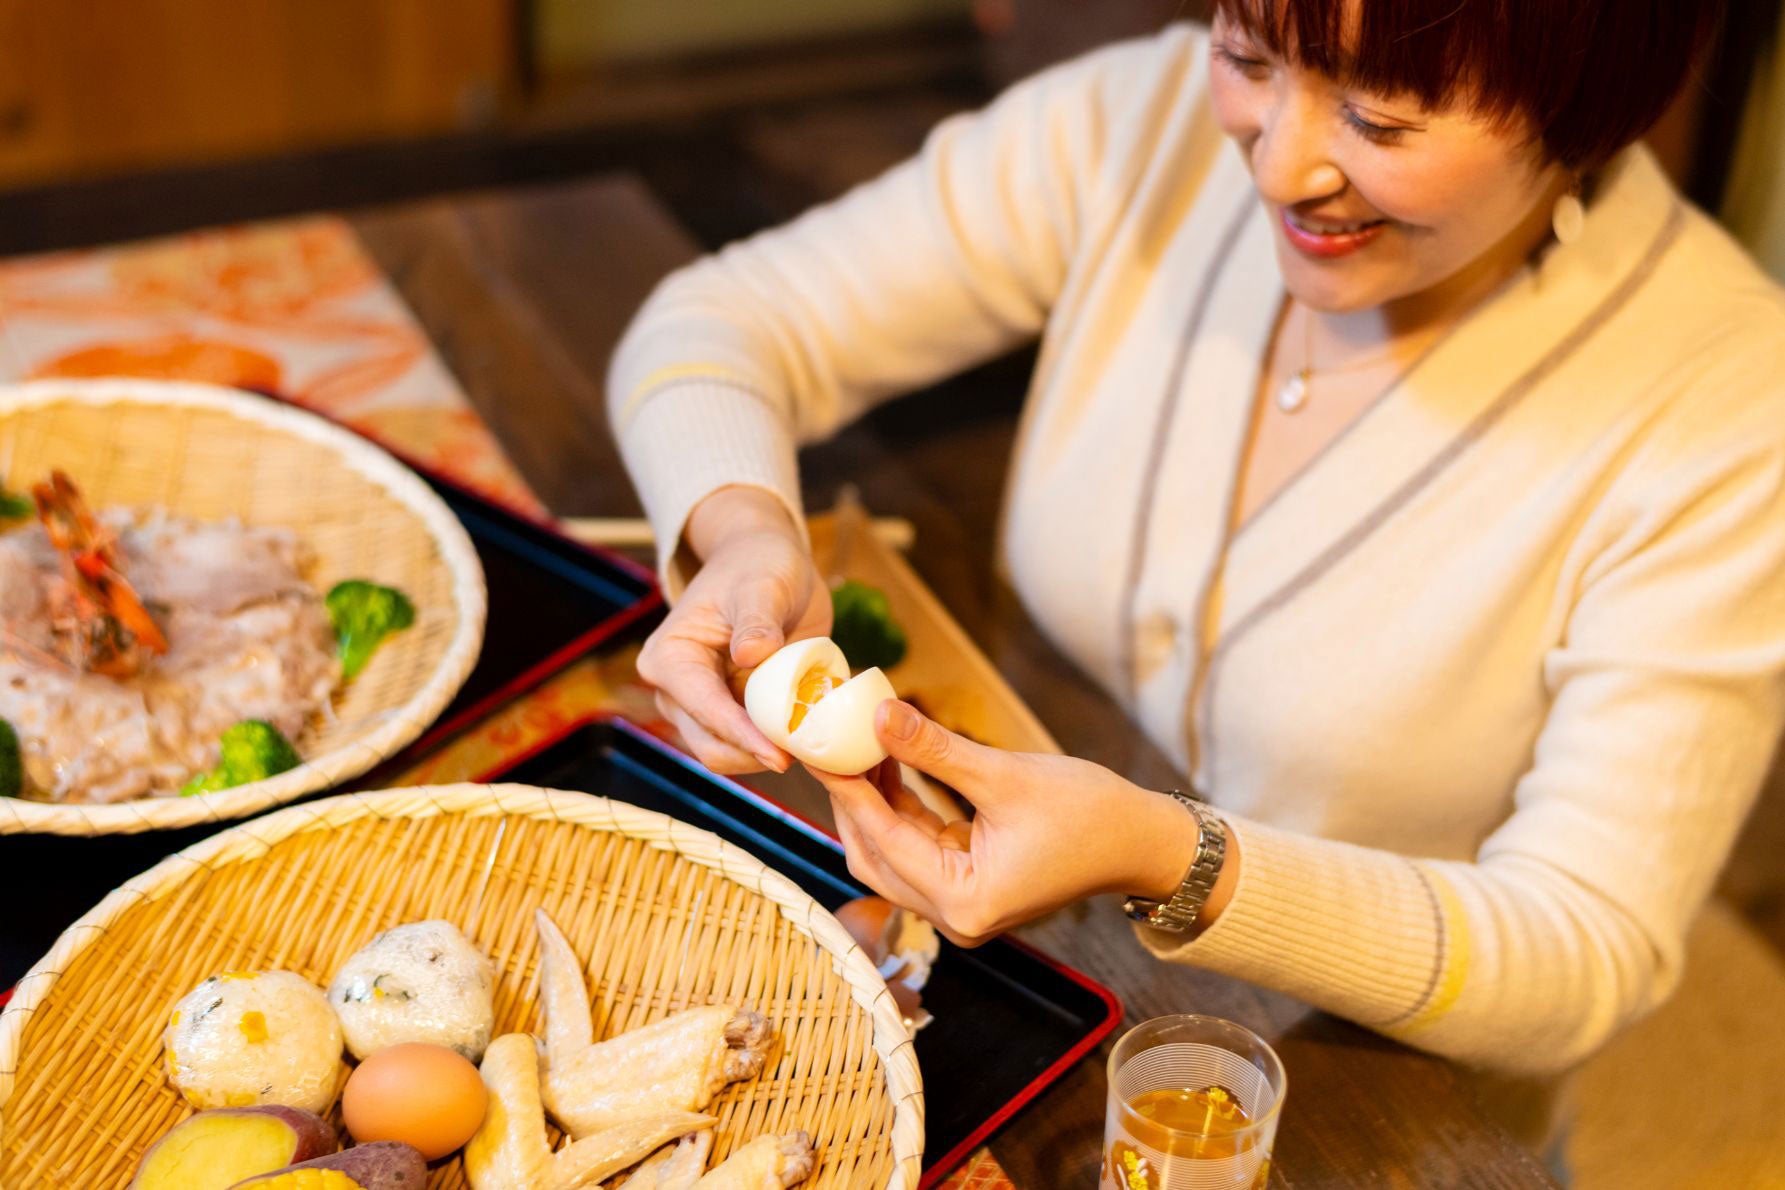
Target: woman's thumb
<point>914,739</point>
<point>756,630</point>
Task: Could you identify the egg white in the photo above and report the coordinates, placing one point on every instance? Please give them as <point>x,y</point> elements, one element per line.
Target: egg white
<point>837,734</point>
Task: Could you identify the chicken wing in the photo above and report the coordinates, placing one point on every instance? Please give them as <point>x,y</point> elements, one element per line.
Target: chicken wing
<point>510,1151</point>
<point>676,1064</point>
<point>766,1163</point>
<point>673,1169</point>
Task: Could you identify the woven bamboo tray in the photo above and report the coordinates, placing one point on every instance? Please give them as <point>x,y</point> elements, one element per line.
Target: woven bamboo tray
<point>664,914</point>
<point>214,453</point>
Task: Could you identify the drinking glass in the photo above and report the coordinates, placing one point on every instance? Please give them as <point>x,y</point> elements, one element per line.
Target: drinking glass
<point>1193,1105</point>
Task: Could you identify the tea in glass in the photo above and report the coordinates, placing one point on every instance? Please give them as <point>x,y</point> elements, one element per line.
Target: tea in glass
<point>1193,1104</point>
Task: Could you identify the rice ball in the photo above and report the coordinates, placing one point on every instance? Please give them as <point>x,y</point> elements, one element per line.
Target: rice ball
<point>422,981</point>
<point>245,1038</point>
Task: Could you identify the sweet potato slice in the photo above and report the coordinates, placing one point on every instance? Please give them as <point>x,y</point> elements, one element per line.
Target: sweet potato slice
<point>381,1165</point>
<point>214,1150</point>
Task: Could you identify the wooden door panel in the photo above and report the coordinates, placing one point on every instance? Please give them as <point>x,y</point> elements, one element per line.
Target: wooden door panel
<point>95,86</point>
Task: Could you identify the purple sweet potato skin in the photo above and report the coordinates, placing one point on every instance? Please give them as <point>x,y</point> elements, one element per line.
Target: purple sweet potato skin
<point>381,1165</point>
<point>311,1136</point>
<point>315,1135</point>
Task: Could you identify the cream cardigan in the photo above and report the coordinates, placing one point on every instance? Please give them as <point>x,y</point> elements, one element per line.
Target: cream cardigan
<point>1495,678</point>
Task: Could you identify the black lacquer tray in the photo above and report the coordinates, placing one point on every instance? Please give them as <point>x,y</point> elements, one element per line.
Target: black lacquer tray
<point>1008,1019</point>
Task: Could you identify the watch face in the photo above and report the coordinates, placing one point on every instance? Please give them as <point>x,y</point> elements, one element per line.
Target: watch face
<point>1144,911</point>
<point>1156,915</point>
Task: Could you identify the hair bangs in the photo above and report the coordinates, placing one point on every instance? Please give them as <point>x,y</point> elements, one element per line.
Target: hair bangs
<point>1590,76</point>
<point>1440,52</point>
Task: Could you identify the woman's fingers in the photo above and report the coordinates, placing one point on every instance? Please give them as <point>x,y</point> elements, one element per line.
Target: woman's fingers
<point>911,855</point>
<point>870,867</point>
<point>866,843</point>
<point>707,748</point>
<point>956,835</point>
<point>775,605</point>
<point>756,587</point>
<point>909,736</point>
<point>691,676</point>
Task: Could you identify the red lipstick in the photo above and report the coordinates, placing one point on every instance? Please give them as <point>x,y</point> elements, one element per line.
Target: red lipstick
<point>1329,245</point>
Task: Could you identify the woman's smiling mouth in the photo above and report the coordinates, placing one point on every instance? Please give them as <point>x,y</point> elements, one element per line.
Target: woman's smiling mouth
<point>1329,238</point>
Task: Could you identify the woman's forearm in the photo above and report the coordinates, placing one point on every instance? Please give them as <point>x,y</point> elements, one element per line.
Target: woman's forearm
<point>940,264</point>
<point>1507,963</point>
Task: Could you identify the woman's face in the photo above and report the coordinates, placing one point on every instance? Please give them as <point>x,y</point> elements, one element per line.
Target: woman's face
<point>1374,199</point>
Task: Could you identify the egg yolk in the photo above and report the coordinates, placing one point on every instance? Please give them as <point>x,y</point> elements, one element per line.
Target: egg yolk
<point>813,687</point>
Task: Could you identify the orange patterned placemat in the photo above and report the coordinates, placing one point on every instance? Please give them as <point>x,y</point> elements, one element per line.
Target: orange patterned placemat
<point>295,309</point>
<point>298,310</point>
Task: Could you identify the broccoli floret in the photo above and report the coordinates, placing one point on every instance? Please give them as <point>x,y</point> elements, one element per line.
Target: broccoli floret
<point>864,628</point>
<point>14,507</point>
<point>12,762</point>
<point>252,751</point>
<point>364,614</point>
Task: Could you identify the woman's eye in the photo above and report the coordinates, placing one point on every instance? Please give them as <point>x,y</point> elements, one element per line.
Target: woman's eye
<point>1381,134</point>
<point>1252,68</point>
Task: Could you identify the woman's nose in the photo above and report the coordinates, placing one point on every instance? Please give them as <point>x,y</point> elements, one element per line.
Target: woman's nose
<point>1291,158</point>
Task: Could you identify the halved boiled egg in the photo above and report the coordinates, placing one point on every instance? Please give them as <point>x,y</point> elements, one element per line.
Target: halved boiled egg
<point>804,700</point>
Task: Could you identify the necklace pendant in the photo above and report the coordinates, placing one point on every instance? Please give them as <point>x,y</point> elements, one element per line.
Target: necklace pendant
<point>1294,393</point>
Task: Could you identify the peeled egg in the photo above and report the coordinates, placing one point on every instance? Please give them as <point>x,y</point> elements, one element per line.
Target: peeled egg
<point>804,700</point>
<point>421,1094</point>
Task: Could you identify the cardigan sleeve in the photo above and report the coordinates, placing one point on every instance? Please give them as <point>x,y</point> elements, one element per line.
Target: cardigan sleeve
<point>944,262</point>
<point>1666,702</point>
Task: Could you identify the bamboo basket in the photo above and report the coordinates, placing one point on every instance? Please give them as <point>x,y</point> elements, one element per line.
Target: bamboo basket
<point>664,914</point>
<point>213,454</point>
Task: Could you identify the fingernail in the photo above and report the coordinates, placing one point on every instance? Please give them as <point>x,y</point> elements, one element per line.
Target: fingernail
<point>771,762</point>
<point>901,721</point>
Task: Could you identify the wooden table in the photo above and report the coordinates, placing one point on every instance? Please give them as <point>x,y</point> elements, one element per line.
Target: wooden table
<point>525,293</point>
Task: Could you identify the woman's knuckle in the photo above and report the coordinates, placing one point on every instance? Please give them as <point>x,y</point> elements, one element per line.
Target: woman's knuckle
<point>653,667</point>
<point>971,919</point>
<point>935,744</point>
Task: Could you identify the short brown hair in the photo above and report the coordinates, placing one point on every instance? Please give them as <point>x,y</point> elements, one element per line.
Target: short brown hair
<point>1590,75</point>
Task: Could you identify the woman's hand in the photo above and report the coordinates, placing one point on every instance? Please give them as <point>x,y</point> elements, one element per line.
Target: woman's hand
<point>1049,830</point>
<point>756,589</point>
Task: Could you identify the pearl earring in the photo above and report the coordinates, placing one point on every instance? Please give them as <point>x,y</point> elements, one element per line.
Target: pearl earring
<point>1570,216</point>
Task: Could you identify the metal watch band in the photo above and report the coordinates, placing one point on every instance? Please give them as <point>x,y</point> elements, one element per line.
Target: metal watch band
<point>1178,914</point>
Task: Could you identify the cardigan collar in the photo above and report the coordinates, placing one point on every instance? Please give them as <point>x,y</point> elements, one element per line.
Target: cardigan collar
<point>1423,423</point>
<point>1433,414</point>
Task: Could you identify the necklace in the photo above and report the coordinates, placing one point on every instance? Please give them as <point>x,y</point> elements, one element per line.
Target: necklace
<point>1292,394</point>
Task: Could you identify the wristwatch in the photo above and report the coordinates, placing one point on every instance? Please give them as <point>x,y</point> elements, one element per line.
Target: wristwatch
<point>1178,915</point>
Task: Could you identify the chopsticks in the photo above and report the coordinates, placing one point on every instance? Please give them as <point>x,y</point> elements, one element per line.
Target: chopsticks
<point>635,532</point>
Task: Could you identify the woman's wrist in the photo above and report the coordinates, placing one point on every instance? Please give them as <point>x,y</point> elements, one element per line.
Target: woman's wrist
<point>734,511</point>
<point>1169,837</point>
<point>1165,838</point>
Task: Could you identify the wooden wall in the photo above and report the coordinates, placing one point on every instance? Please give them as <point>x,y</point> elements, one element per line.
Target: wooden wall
<point>91,87</point>
<point>580,35</point>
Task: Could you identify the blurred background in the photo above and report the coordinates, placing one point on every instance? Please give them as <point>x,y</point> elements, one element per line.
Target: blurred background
<point>131,117</point>
<point>684,123</point>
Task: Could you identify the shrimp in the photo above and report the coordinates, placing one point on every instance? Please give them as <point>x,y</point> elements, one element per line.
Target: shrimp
<point>112,633</point>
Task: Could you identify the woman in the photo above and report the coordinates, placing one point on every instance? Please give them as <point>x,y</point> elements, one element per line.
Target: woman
<point>1403,452</point>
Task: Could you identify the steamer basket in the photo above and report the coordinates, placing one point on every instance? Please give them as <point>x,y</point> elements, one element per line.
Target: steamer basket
<point>212,454</point>
<point>663,914</point>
